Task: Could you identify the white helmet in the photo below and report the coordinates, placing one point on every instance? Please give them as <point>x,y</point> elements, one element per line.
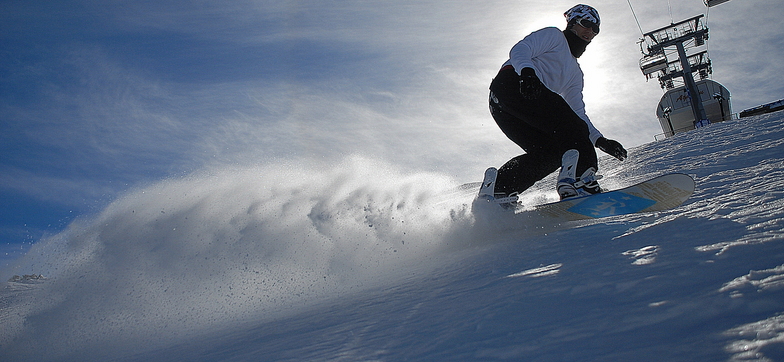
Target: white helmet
<point>583,12</point>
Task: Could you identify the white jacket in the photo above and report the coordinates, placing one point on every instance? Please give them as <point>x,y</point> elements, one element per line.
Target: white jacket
<point>547,52</point>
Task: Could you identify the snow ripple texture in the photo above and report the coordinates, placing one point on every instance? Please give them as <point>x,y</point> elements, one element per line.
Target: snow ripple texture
<point>365,261</point>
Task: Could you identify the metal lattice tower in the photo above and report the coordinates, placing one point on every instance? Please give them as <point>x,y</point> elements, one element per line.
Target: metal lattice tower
<point>665,57</point>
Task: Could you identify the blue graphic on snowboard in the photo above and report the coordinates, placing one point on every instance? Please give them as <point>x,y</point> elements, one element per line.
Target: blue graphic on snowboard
<point>611,203</point>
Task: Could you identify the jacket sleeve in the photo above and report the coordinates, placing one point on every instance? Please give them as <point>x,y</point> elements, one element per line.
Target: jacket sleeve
<point>533,45</point>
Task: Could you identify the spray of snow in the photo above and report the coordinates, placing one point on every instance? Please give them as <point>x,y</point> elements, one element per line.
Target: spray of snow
<point>232,245</point>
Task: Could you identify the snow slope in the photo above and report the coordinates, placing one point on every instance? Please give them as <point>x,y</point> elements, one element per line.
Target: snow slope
<point>365,261</point>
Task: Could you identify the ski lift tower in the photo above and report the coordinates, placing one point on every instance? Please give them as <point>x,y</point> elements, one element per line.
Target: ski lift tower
<point>665,57</point>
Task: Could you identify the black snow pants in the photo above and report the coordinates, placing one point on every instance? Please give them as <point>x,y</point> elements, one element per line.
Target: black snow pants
<point>544,128</point>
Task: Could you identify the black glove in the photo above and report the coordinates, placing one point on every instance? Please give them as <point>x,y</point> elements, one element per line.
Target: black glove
<point>530,85</point>
<point>612,148</point>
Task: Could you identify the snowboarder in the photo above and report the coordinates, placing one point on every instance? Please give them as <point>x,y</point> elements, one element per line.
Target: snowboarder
<point>537,101</point>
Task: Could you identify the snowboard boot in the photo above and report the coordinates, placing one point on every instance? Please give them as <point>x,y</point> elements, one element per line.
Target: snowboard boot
<point>487,191</point>
<point>569,185</point>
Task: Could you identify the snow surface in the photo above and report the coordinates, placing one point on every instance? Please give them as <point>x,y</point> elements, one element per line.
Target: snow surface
<point>368,262</point>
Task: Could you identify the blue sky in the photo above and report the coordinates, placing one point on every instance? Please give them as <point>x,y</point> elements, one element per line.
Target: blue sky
<point>101,97</point>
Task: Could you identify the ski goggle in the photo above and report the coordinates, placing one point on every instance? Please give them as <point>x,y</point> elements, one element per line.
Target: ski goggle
<point>585,23</point>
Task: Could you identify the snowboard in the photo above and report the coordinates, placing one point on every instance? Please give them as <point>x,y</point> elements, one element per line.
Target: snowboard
<point>657,194</point>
